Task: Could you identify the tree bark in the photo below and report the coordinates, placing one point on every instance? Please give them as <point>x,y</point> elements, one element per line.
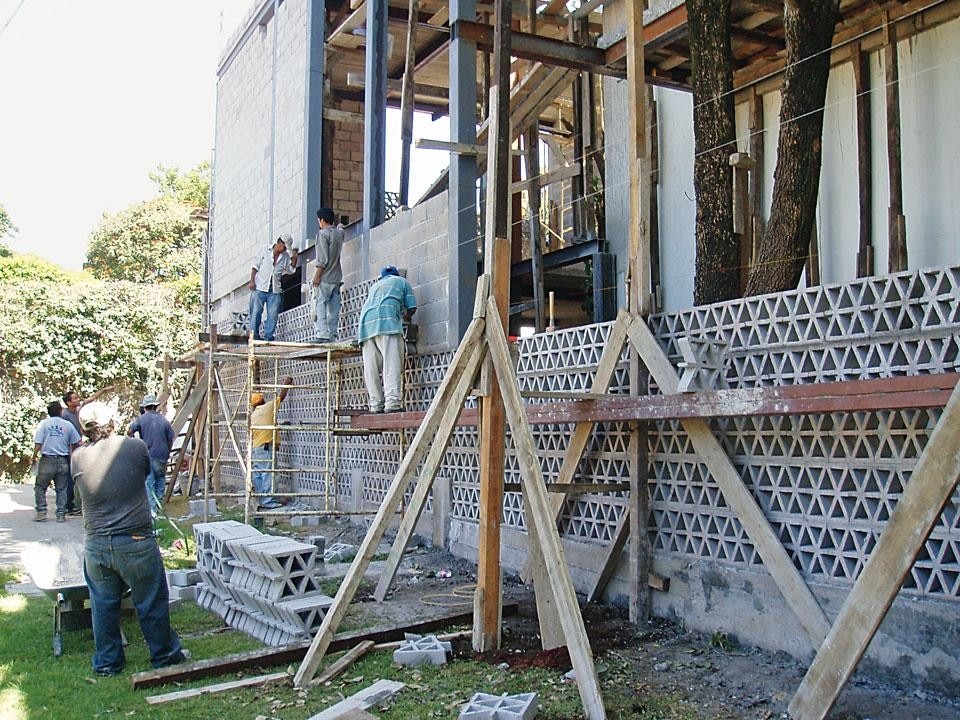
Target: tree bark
<point>808,30</point>
<point>718,251</point>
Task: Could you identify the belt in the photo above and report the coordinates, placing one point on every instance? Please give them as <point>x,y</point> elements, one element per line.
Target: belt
<point>55,456</point>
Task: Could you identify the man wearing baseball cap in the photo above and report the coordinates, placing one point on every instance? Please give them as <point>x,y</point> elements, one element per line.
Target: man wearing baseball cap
<point>157,432</point>
<point>265,284</point>
<point>120,549</point>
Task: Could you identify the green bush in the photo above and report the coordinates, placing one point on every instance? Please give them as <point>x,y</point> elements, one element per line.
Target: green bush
<point>57,336</point>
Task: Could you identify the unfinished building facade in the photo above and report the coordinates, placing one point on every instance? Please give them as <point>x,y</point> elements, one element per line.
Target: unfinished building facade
<point>303,92</point>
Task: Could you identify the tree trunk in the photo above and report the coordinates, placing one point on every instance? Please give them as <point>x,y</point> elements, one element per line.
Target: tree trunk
<point>808,29</point>
<point>718,251</point>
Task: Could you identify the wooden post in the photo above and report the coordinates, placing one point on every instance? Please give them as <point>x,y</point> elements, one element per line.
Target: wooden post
<point>897,228</point>
<point>861,79</point>
<point>756,175</point>
<point>486,623</point>
<point>931,485</point>
<point>406,102</point>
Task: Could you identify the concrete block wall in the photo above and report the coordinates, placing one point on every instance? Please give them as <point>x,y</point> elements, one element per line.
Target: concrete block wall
<point>259,161</point>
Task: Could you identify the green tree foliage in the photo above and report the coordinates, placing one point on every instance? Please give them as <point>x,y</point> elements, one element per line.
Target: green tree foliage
<point>6,228</point>
<point>158,240</point>
<point>191,188</point>
<point>153,241</point>
<point>56,336</point>
<point>27,268</point>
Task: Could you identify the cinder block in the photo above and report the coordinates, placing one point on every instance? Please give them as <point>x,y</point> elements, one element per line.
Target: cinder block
<point>500,707</point>
<point>184,592</point>
<point>319,541</point>
<point>340,552</point>
<point>181,578</point>
<point>196,507</point>
<point>417,650</point>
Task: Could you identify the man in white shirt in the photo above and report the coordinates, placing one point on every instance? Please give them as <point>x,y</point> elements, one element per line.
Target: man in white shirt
<point>265,288</point>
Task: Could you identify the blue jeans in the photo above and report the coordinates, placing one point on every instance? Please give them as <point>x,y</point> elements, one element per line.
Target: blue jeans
<point>55,469</point>
<point>258,300</point>
<point>328,311</point>
<point>262,457</point>
<point>111,564</point>
<point>156,484</point>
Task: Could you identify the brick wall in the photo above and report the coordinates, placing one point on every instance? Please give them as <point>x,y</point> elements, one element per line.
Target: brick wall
<point>346,148</point>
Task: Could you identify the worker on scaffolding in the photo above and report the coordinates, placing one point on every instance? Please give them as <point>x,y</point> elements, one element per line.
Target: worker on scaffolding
<point>264,441</point>
<point>265,285</point>
<point>389,302</point>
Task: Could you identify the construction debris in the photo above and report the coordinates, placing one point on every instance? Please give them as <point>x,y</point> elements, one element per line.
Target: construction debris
<point>217,688</point>
<point>378,692</point>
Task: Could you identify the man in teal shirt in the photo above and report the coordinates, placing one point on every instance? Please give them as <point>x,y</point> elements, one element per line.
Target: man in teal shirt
<point>390,301</point>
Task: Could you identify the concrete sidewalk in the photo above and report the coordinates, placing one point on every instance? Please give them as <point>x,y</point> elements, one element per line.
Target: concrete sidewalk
<point>18,531</point>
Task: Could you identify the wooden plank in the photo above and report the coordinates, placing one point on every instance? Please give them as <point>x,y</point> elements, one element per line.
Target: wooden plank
<point>897,231</point>
<point>795,591</point>
<point>406,102</point>
<point>861,83</point>
<point>225,409</point>
<point>919,391</point>
<point>542,523</point>
<point>462,148</point>
<point>343,662</point>
<point>931,485</point>
<point>295,652</point>
<point>368,697</point>
<point>253,681</point>
<point>428,433</point>
<point>548,178</point>
<point>418,498</point>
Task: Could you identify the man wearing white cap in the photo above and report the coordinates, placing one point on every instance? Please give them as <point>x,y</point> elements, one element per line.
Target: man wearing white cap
<point>157,432</point>
<point>265,284</point>
<point>120,549</point>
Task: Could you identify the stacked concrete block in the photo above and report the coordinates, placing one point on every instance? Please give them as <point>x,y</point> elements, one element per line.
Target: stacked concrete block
<point>422,650</point>
<point>500,707</point>
<point>261,584</point>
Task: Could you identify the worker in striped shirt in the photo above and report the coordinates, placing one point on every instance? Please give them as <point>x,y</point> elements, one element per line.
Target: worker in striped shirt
<point>390,301</point>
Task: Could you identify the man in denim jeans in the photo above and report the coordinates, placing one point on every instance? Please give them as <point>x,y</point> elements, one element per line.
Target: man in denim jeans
<point>265,286</point>
<point>157,432</point>
<point>264,439</point>
<point>120,550</point>
<point>54,440</point>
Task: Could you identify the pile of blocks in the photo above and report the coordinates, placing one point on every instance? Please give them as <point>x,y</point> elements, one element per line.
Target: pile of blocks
<point>264,585</point>
<point>500,707</point>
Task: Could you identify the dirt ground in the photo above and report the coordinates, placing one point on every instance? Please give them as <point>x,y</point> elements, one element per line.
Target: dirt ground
<point>720,680</point>
<point>711,675</point>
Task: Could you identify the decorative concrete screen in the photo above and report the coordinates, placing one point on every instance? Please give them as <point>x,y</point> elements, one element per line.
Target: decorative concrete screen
<point>827,483</point>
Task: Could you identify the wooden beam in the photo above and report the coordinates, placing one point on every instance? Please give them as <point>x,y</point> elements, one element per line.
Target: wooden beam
<point>897,224</point>
<point>496,246</point>
<point>361,700</point>
<point>541,522</point>
<point>406,104</point>
<point>294,652</point>
<point>548,178</point>
<point>931,485</point>
<point>253,681</point>
<point>795,591</point>
<point>343,662</point>
<point>429,432</point>
<point>546,50</point>
<point>343,116</point>
<point>861,81</point>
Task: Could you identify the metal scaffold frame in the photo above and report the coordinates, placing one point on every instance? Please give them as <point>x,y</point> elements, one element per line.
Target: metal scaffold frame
<point>209,409</point>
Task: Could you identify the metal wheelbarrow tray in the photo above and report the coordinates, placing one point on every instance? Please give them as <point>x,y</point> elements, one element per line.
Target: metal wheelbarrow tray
<point>56,568</point>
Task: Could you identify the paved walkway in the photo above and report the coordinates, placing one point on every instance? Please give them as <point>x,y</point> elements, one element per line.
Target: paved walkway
<point>19,533</point>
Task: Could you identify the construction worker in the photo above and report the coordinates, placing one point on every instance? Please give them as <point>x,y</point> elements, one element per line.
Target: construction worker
<point>72,404</point>
<point>54,440</point>
<point>328,277</point>
<point>265,286</point>
<point>390,301</point>
<point>157,432</point>
<point>264,441</point>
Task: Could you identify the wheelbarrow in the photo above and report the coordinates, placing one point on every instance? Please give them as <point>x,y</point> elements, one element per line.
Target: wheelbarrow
<point>56,568</point>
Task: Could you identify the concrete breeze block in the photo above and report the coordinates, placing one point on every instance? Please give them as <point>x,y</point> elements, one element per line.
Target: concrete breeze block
<point>422,650</point>
<point>500,707</point>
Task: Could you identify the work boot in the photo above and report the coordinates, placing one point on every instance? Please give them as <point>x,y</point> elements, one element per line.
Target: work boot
<point>40,517</point>
<point>61,517</point>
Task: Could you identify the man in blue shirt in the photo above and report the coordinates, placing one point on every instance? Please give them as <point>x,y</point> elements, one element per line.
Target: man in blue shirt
<point>54,440</point>
<point>390,301</point>
<point>157,432</point>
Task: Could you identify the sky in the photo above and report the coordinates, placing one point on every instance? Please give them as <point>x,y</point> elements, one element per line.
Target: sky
<point>95,94</point>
